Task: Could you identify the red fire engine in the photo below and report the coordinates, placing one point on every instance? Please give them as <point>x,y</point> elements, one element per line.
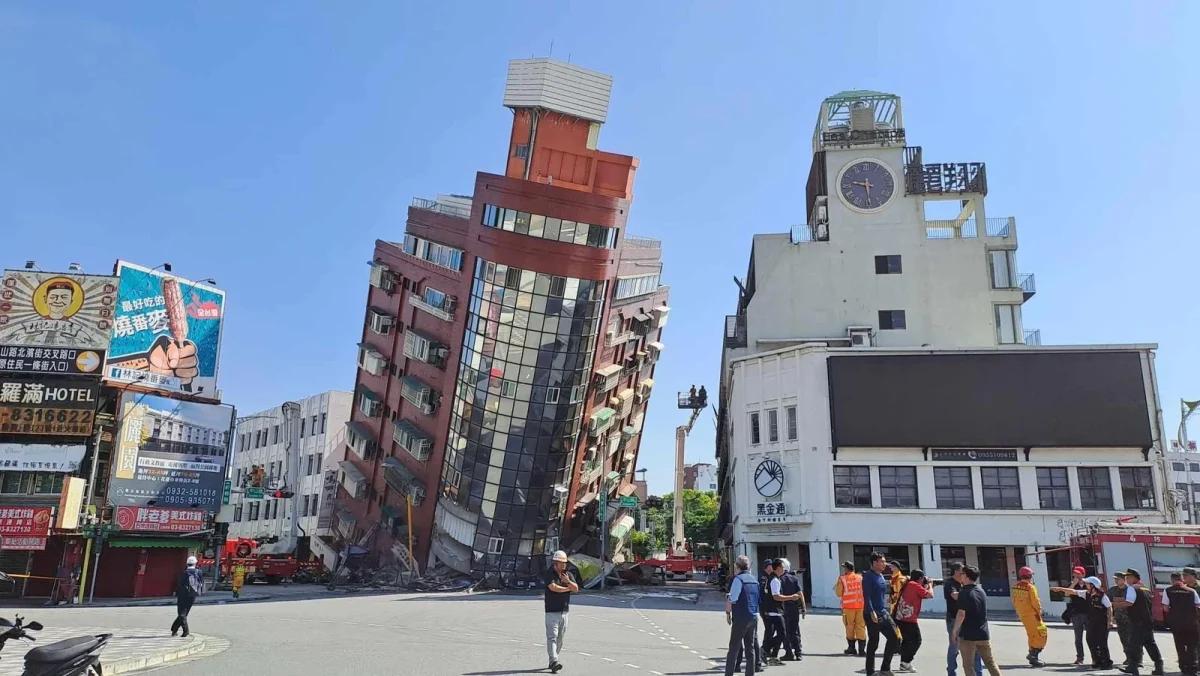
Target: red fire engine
<point>1155,550</point>
<point>270,568</point>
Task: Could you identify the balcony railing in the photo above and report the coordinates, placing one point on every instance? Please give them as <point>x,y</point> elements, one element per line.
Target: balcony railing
<point>441,208</point>
<point>635,242</point>
<point>1027,284</point>
<point>803,232</point>
<point>1033,337</point>
<point>419,303</point>
<point>969,229</point>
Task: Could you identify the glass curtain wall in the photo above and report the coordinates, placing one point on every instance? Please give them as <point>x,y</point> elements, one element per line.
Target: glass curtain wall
<point>517,409</point>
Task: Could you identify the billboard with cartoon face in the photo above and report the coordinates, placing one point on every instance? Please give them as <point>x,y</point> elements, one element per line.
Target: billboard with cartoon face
<point>55,322</point>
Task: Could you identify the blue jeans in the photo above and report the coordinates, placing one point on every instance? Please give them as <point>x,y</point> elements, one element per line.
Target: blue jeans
<point>952,653</point>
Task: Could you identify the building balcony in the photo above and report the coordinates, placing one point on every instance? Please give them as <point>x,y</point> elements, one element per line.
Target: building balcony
<point>600,421</point>
<point>1033,337</point>
<point>969,229</point>
<point>442,208</point>
<point>444,312</point>
<point>403,481</point>
<point>607,377</point>
<point>1027,284</point>
<point>612,339</point>
<point>409,437</point>
<point>804,232</point>
<point>635,242</point>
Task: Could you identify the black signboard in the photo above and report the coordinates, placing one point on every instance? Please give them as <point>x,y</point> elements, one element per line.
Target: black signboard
<point>64,360</point>
<point>51,405</point>
<point>972,455</point>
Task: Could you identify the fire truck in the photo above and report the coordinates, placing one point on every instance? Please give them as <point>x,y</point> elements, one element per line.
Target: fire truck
<point>1156,550</point>
<point>270,568</point>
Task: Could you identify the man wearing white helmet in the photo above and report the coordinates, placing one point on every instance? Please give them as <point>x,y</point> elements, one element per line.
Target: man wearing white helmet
<point>188,586</point>
<point>560,584</point>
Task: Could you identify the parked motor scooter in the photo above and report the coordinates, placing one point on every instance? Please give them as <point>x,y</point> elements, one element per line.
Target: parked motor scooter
<point>79,656</point>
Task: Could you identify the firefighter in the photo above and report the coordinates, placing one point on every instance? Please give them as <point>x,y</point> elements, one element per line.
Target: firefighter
<point>239,578</point>
<point>896,585</point>
<point>1182,615</point>
<point>849,590</point>
<point>1140,607</point>
<point>1029,611</point>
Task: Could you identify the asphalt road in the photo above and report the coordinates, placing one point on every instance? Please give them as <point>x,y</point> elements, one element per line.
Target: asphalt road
<point>495,635</point>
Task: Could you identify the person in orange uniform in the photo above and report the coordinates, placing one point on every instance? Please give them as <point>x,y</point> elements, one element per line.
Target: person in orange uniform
<point>897,581</point>
<point>1029,611</point>
<point>849,590</point>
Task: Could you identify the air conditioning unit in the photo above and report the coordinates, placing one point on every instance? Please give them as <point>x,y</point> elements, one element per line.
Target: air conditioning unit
<point>427,409</point>
<point>442,352</point>
<point>860,336</point>
<point>451,303</point>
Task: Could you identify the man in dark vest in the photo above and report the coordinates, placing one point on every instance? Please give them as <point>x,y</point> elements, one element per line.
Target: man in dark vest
<point>793,609</point>
<point>770,603</point>
<point>1183,617</point>
<point>741,613</point>
<point>1139,606</point>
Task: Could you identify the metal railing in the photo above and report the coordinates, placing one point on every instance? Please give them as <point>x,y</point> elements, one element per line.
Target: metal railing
<point>735,330</point>
<point>636,242</point>
<point>968,229</point>
<point>1033,337</point>
<point>803,232</point>
<point>441,208</point>
<point>1027,284</point>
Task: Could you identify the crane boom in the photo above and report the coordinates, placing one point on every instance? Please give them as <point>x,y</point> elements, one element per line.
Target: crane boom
<point>681,433</point>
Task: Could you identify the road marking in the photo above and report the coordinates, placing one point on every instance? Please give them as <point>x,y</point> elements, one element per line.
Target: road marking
<point>656,673</point>
<point>632,666</point>
<point>586,654</point>
<point>375,625</point>
<point>608,659</point>
<point>695,652</point>
<point>686,648</point>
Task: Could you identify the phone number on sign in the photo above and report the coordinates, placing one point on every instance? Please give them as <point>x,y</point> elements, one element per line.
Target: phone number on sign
<point>45,420</point>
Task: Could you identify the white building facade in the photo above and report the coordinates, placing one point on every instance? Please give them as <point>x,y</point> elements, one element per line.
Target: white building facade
<point>794,493</point>
<point>261,439</point>
<point>701,476</point>
<point>879,390</point>
<point>1183,463</point>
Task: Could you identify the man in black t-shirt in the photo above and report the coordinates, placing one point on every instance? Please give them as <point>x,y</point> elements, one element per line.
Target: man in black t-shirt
<point>970,629</point>
<point>560,583</point>
<point>951,589</point>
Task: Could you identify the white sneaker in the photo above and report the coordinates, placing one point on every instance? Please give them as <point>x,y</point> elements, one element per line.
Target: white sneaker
<point>907,668</point>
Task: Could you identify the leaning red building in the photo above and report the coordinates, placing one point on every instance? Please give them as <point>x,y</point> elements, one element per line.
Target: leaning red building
<point>508,353</point>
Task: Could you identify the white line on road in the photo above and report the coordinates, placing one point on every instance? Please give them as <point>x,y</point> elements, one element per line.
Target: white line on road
<point>686,648</point>
<point>695,652</point>
<point>608,659</point>
<point>656,673</point>
<point>586,654</point>
<point>632,666</point>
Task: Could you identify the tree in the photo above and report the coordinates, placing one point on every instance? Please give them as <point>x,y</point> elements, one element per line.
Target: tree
<point>640,543</point>
<point>699,519</point>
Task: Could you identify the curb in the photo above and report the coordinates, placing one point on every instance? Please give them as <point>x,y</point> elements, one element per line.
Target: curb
<point>138,663</point>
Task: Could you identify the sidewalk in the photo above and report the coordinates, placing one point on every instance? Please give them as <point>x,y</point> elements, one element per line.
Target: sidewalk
<point>128,650</point>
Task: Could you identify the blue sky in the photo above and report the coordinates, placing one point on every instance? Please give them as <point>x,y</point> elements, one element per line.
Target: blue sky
<point>269,144</point>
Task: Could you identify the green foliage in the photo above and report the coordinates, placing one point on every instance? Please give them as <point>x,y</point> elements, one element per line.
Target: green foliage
<point>699,519</point>
<point>640,543</point>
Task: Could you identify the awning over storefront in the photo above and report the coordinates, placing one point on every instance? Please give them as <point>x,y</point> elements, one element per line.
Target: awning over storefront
<point>156,543</point>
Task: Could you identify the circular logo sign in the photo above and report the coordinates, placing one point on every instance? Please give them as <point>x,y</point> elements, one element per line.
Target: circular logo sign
<point>768,478</point>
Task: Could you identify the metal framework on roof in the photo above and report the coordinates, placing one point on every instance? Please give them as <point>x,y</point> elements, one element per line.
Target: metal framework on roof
<point>835,110</point>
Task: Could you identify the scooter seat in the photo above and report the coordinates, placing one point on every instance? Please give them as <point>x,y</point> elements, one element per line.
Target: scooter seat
<point>63,651</point>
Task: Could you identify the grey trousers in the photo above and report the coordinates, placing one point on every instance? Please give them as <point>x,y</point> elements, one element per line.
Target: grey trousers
<point>556,629</point>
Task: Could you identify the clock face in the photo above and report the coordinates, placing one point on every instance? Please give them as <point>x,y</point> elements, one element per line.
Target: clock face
<point>866,185</point>
<point>768,478</point>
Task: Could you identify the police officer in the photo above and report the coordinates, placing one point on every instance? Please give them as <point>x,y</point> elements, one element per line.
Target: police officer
<point>793,610</point>
<point>741,613</point>
<point>1139,605</point>
<point>1180,603</point>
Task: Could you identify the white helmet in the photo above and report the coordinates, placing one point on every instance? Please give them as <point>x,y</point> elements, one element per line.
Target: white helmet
<point>191,561</point>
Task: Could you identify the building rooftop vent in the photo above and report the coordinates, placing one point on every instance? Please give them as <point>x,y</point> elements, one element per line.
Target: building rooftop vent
<point>559,87</point>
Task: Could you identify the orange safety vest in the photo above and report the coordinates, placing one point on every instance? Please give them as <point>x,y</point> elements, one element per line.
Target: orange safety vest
<point>852,593</point>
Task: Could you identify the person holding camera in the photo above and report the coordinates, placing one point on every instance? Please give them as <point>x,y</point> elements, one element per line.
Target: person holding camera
<point>908,611</point>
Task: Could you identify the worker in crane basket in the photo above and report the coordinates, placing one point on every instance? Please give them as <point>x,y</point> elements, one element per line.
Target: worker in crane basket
<point>1029,611</point>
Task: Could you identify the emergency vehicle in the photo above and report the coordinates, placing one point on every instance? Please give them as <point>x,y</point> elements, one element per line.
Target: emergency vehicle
<point>1155,550</point>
